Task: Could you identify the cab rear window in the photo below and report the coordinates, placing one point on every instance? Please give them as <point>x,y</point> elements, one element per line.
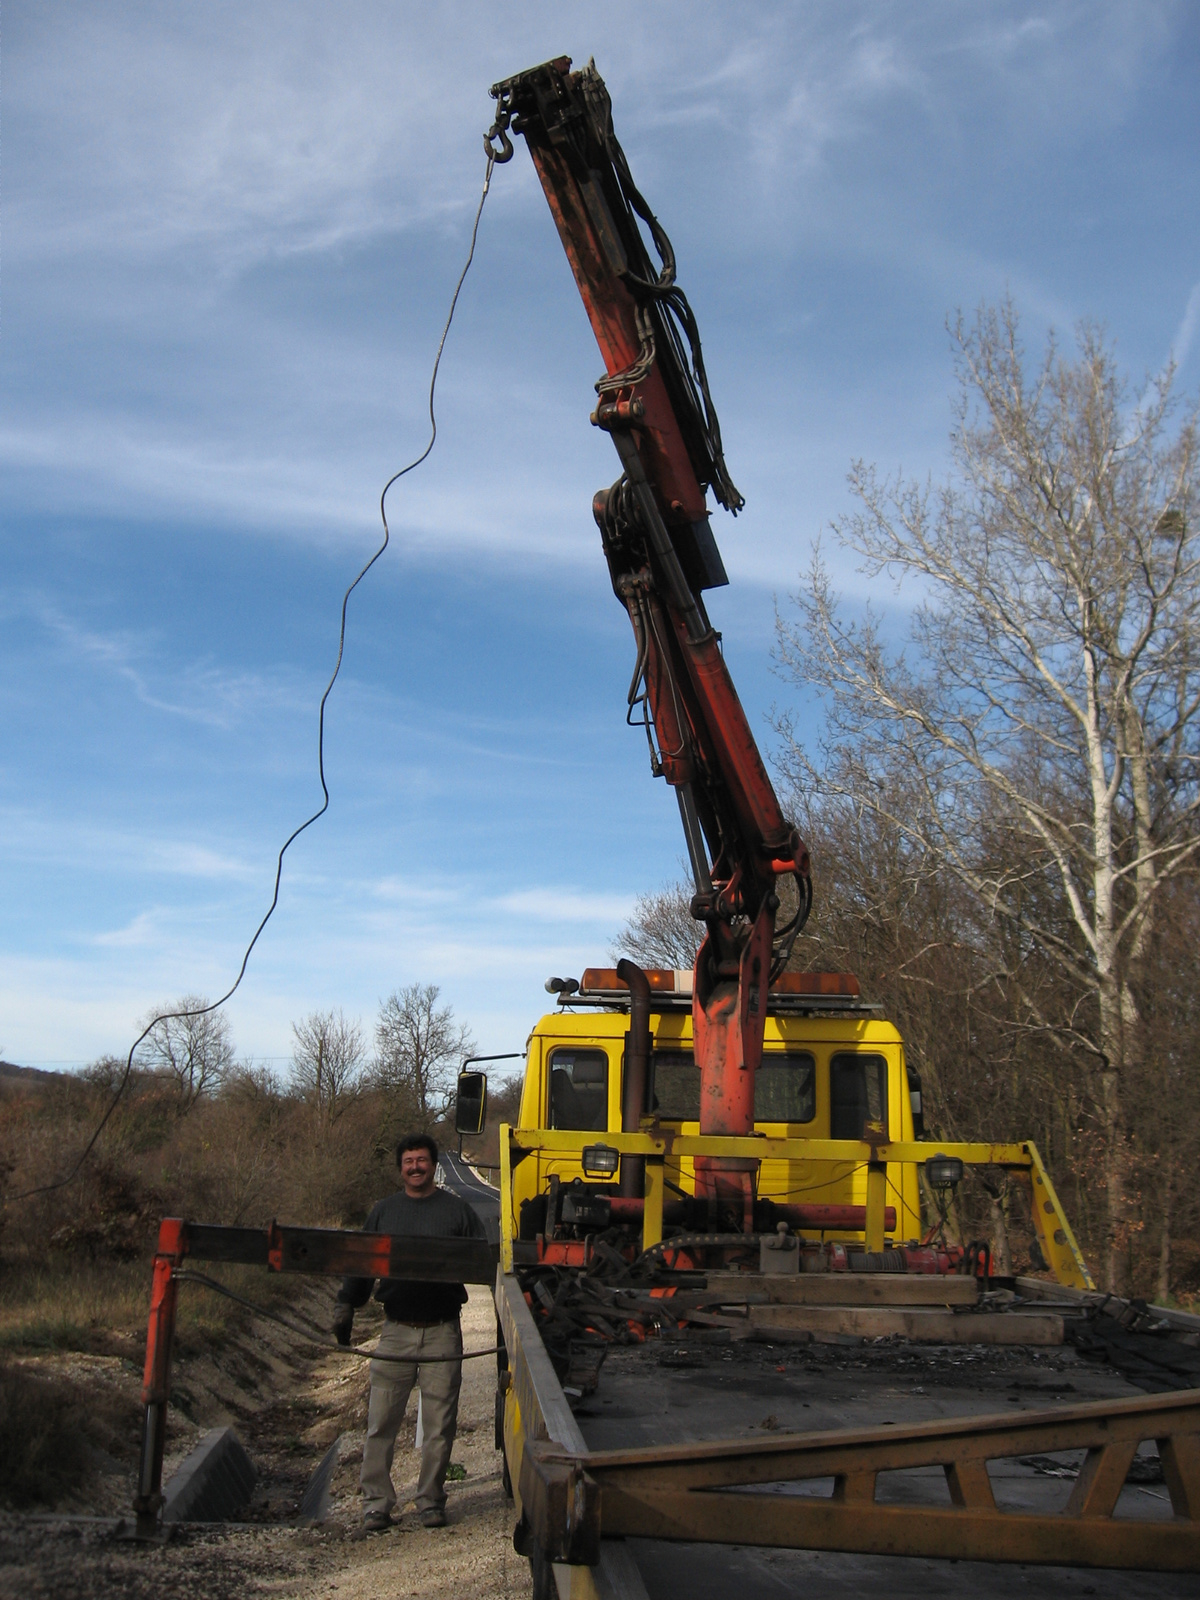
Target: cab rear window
<point>857,1094</point>
<point>675,1092</point>
<point>785,1088</point>
<point>579,1090</point>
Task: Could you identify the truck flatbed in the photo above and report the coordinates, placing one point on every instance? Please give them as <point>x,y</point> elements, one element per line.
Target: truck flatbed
<point>710,1386</point>
<point>683,1391</point>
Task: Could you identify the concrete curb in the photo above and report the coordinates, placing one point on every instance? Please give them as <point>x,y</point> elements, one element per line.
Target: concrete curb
<point>213,1483</point>
<point>314,1502</point>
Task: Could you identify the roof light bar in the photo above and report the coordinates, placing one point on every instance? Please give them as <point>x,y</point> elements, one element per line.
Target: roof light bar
<point>678,981</point>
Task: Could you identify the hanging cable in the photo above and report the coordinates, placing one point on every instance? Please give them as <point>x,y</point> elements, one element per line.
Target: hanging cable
<point>201,1011</point>
<point>183,1275</point>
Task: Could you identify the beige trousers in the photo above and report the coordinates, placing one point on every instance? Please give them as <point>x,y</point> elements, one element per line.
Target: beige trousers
<point>391,1385</point>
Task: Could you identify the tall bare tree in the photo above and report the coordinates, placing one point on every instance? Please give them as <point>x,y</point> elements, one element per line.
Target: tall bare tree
<point>662,931</point>
<point>419,1045</point>
<point>1049,716</point>
<point>327,1061</point>
<point>194,1050</point>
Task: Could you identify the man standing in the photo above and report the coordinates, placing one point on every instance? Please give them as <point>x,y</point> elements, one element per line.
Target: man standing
<point>422,1327</point>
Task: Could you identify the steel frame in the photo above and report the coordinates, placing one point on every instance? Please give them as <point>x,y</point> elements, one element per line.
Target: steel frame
<point>656,1143</point>
<point>571,1499</point>
<point>536,1412</point>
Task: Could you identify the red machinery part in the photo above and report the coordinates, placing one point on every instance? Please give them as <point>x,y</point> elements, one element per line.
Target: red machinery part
<point>156,1375</point>
<point>703,733</point>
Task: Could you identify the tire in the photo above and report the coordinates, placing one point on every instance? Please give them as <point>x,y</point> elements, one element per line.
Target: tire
<point>544,1586</point>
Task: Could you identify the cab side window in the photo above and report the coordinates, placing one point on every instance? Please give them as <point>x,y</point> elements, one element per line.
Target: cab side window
<point>785,1088</point>
<point>579,1090</point>
<point>857,1094</point>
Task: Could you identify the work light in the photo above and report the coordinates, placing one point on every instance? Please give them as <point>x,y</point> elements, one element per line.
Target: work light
<point>944,1172</point>
<point>601,1161</point>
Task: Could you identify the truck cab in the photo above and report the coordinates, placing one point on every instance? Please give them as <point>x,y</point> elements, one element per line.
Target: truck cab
<point>830,1071</point>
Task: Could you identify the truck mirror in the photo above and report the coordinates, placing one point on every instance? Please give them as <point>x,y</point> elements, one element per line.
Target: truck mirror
<point>470,1102</point>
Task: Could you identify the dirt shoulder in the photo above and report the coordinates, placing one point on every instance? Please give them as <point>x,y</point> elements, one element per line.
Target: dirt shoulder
<point>288,1406</point>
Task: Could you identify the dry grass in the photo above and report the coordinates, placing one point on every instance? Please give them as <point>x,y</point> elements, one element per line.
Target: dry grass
<point>102,1306</point>
<point>49,1429</point>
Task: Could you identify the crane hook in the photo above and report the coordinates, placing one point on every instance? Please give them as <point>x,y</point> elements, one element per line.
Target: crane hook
<point>499,130</point>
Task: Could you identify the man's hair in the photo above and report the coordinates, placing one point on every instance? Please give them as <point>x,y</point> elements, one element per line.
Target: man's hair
<point>417,1141</point>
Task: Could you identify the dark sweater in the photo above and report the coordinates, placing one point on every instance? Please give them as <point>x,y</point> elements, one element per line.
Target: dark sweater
<point>441,1215</point>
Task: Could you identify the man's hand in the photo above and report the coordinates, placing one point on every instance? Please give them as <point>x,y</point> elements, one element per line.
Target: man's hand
<point>343,1323</point>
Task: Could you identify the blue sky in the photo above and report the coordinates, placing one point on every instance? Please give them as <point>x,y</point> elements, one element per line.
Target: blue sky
<point>229,237</point>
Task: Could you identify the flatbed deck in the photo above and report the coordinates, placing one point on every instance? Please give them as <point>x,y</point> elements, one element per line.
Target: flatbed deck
<point>686,1390</point>
<point>743,1389</point>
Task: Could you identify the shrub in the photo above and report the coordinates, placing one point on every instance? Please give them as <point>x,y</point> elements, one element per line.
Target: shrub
<point>44,1435</point>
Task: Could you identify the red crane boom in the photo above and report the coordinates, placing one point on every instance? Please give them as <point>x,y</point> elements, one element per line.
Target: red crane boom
<point>653,400</point>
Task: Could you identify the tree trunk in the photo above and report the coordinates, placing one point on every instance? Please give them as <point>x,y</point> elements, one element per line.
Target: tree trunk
<point>1163,1293</point>
<point>1117,1162</point>
<point>1116,1183</point>
<point>1002,1266</point>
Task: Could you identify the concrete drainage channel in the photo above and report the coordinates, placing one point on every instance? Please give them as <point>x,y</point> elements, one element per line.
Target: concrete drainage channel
<point>215,1482</point>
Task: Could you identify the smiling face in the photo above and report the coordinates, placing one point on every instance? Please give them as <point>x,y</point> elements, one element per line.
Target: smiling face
<point>417,1169</point>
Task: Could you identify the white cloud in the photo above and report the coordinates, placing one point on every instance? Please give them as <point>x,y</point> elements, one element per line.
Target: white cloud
<point>239,132</point>
<point>215,698</point>
<point>557,905</point>
<point>143,930</point>
<point>33,837</point>
<point>1181,344</point>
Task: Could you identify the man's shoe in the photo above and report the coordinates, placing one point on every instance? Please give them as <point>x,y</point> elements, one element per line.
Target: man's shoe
<point>433,1517</point>
<point>377,1521</point>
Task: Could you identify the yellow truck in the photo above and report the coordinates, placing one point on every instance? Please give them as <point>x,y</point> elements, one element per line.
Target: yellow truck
<point>833,1073</point>
<point>825,1406</point>
<point>741,1355</point>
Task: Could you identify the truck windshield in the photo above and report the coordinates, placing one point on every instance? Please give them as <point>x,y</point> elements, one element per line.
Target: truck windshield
<point>784,1087</point>
<point>579,1090</point>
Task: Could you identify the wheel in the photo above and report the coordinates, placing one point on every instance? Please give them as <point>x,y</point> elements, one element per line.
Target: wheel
<point>544,1586</point>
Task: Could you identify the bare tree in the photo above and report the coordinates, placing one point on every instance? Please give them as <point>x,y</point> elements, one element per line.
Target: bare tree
<point>327,1061</point>
<point>419,1046</point>
<point>193,1049</point>
<point>1050,721</point>
<point>662,931</point>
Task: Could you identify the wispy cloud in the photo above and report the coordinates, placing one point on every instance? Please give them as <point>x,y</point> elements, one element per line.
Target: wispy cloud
<point>559,905</point>
<point>1185,334</point>
<point>549,904</point>
<point>216,698</point>
<point>30,837</point>
<point>239,132</point>
<point>143,930</point>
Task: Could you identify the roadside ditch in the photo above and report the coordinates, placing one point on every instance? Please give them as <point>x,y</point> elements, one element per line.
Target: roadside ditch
<point>289,1403</point>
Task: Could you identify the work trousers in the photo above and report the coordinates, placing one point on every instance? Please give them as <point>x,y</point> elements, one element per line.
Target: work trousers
<point>391,1385</point>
